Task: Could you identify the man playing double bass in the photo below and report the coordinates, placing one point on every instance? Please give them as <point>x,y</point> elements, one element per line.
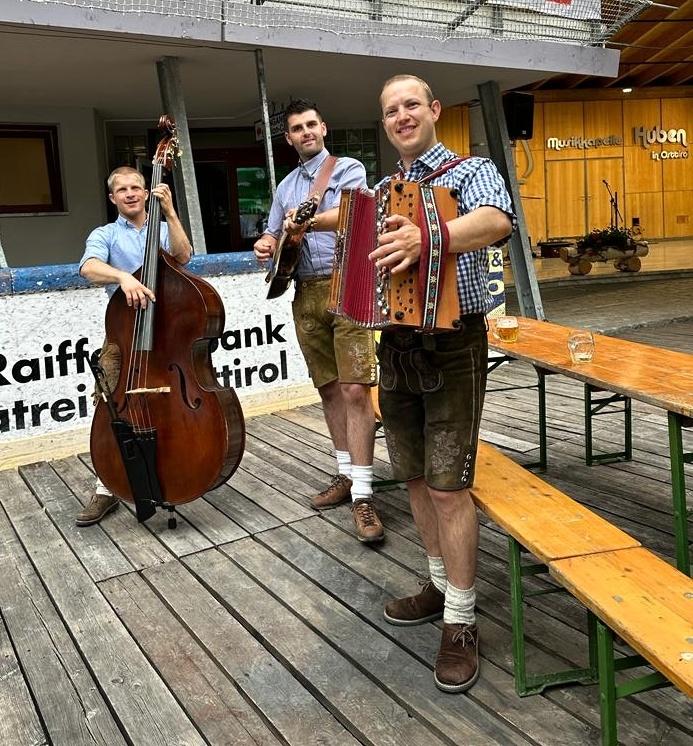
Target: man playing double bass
<point>340,355</point>
<point>113,252</point>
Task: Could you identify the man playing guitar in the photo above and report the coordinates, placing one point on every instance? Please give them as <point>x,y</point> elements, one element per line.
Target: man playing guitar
<point>340,356</point>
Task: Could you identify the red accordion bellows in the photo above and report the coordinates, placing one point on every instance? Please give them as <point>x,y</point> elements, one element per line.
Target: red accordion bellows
<point>425,295</point>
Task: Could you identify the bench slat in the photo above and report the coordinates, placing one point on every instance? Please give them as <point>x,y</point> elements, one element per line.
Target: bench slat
<point>548,523</point>
<point>643,599</point>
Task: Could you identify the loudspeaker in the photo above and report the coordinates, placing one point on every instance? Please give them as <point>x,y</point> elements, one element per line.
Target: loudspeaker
<point>519,114</point>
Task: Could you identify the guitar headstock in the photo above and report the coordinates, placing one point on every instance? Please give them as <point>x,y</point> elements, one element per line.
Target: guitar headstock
<point>305,211</point>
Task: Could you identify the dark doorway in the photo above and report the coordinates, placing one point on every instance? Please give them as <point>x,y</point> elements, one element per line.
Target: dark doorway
<point>234,193</point>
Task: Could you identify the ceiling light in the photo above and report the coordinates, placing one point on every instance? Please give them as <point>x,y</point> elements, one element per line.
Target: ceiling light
<point>627,90</point>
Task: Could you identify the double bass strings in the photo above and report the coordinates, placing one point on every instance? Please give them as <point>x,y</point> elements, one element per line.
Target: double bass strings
<point>142,337</point>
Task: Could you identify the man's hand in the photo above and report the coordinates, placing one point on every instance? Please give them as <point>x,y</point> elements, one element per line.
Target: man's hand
<point>163,194</point>
<point>290,226</point>
<point>264,248</point>
<point>399,247</point>
<point>136,294</point>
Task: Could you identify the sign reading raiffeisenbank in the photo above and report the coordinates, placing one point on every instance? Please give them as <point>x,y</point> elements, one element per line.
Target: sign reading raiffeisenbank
<point>557,143</point>
<point>646,137</point>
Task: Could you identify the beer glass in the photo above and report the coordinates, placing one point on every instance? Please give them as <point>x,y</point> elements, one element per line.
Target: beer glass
<point>581,345</point>
<point>507,329</point>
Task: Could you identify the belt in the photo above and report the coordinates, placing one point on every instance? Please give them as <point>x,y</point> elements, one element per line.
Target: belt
<point>305,281</point>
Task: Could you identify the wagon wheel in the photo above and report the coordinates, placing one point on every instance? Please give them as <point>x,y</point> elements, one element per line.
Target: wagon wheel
<point>633,264</point>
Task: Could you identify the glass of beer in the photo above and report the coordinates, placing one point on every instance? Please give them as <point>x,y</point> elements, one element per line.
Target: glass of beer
<point>507,329</point>
<point>581,345</point>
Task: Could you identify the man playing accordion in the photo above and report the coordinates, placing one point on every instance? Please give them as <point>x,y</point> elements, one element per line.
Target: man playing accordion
<point>432,384</point>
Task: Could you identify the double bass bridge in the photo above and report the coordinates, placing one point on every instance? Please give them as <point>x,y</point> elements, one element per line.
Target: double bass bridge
<point>157,390</point>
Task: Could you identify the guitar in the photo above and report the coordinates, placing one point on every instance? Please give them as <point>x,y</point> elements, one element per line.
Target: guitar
<point>288,252</point>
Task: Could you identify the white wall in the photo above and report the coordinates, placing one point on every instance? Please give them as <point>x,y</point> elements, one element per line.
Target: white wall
<point>45,393</point>
<point>59,238</point>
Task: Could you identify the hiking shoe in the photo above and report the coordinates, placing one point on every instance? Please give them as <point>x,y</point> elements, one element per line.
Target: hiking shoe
<point>457,665</point>
<point>425,606</point>
<point>338,492</point>
<point>368,526</point>
<point>98,507</point>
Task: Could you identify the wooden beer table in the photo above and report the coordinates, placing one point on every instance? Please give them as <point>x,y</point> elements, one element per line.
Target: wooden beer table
<point>629,370</point>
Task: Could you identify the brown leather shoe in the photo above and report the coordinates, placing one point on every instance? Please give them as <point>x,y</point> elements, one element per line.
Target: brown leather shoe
<point>98,507</point>
<point>457,665</point>
<point>425,606</point>
<point>338,492</point>
<point>369,529</point>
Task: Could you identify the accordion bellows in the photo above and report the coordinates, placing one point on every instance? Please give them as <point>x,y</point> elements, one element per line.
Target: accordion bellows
<point>423,296</point>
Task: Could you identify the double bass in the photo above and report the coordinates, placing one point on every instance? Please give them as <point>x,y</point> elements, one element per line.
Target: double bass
<point>168,432</point>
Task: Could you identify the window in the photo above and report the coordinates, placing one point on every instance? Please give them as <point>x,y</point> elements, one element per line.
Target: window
<point>361,144</point>
<point>30,169</point>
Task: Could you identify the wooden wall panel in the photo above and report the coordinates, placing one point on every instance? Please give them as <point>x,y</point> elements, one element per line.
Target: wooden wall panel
<point>642,174</point>
<point>678,214</point>
<point>565,198</point>
<point>563,120</point>
<point>535,217</point>
<point>648,207</point>
<point>450,130</point>
<point>529,168</point>
<point>640,113</point>
<point>603,119</point>
<point>677,112</point>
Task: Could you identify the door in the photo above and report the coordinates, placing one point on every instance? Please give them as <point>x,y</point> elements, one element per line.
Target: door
<point>565,198</point>
<point>235,196</point>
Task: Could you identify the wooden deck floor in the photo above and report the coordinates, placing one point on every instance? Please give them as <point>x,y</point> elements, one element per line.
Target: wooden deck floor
<point>257,621</point>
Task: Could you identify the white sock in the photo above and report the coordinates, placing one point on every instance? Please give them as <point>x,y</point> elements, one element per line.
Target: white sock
<point>343,463</point>
<point>436,568</point>
<point>459,605</point>
<point>101,488</point>
<point>362,482</point>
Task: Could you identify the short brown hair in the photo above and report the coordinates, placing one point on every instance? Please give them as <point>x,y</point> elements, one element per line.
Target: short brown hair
<point>406,76</point>
<point>124,171</point>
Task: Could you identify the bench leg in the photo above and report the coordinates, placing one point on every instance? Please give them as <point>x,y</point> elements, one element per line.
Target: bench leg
<point>594,407</point>
<point>678,487</point>
<point>607,684</point>
<point>527,684</point>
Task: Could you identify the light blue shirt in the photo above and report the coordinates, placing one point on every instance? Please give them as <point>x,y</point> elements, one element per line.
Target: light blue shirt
<point>317,251</point>
<point>121,245</point>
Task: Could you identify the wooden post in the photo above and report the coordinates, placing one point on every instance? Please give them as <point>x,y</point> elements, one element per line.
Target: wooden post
<point>187,198</point>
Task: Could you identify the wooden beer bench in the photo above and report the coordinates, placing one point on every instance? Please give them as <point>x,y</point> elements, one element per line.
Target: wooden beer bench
<point>625,588</point>
<point>623,370</point>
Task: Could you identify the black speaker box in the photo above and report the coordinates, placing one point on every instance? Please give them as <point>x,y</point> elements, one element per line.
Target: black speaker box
<point>519,114</point>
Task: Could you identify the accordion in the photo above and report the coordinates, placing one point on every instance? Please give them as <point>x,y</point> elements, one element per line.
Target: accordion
<point>424,295</point>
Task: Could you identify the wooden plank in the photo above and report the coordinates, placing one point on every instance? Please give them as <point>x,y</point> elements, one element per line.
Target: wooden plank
<point>69,701</point>
<point>373,715</point>
<point>544,520</point>
<point>185,539</point>
<point>644,600</point>
<point>291,709</point>
<point>244,512</point>
<point>462,719</point>
<point>101,558</point>
<point>19,722</point>
<point>211,522</point>
<point>211,700</point>
<point>272,500</point>
<point>136,542</point>
<point>143,705</point>
<point>550,642</point>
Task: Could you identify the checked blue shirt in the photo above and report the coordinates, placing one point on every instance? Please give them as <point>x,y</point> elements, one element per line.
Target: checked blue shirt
<point>478,184</point>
